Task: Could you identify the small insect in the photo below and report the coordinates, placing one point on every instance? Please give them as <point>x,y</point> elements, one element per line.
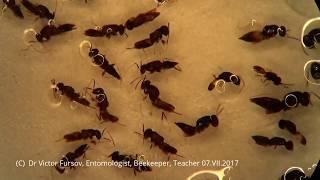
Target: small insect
<point>201,123</point>
<point>275,141</point>
<point>143,44</point>
<point>154,93</point>
<point>85,134</point>
<point>69,92</point>
<point>100,60</point>
<point>293,99</point>
<point>154,37</point>
<point>158,34</point>
<point>290,100</point>
<point>224,77</point>
<point>70,158</point>
<point>130,161</point>
<point>11,4</point>
<point>158,140</point>
<point>50,30</point>
<point>157,66</point>
<point>106,30</point>
<point>39,9</point>
<point>268,75</point>
<point>141,19</point>
<point>269,31</point>
<point>311,39</point>
<point>291,127</point>
<point>102,103</point>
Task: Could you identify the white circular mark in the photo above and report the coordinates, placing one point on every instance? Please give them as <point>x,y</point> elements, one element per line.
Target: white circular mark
<point>295,98</point>
<point>220,84</point>
<point>109,30</point>
<point>101,61</point>
<point>234,78</point>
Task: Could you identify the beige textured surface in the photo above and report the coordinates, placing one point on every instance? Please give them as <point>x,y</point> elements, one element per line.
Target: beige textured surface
<point>204,40</point>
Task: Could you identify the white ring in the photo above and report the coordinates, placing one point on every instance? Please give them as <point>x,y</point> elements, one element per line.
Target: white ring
<point>219,173</point>
<point>305,68</point>
<point>230,78</point>
<point>85,42</point>
<point>100,56</point>
<point>299,168</point>
<point>290,95</point>
<point>223,86</point>
<point>109,30</point>
<point>305,27</point>
<point>98,95</point>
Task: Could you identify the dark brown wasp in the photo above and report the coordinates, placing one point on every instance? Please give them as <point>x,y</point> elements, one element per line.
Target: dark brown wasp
<point>106,30</point>
<point>50,30</point>
<point>201,124</point>
<point>39,9</point>
<point>311,39</point>
<point>100,60</point>
<point>85,134</point>
<point>142,18</point>
<point>224,77</point>
<point>275,141</point>
<point>69,92</point>
<point>102,103</point>
<point>268,75</point>
<point>290,100</point>
<point>145,43</point>
<point>157,66</point>
<point>154,37</point>
<point>269,31</point>
<point>154,93</point>
<point>291,127</point>
<point>295,174</point>
<point>70,158</point>
<point>158,140</point>
<point>11,4</point>
<point>158,34</point>
<point>130,161</point>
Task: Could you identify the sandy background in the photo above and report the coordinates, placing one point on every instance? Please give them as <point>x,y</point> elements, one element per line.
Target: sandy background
<point>204,40</point>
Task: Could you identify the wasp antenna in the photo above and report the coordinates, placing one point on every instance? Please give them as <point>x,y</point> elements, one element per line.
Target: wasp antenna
<point>111,138</point>
<point>137,65</point>
<point>135,79</point>
<point>138,133</point>
<point>294,38</point>
<point>315,94</point>
<point>177,113</point>
<point>179,155</point>
<point>219,109</point>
